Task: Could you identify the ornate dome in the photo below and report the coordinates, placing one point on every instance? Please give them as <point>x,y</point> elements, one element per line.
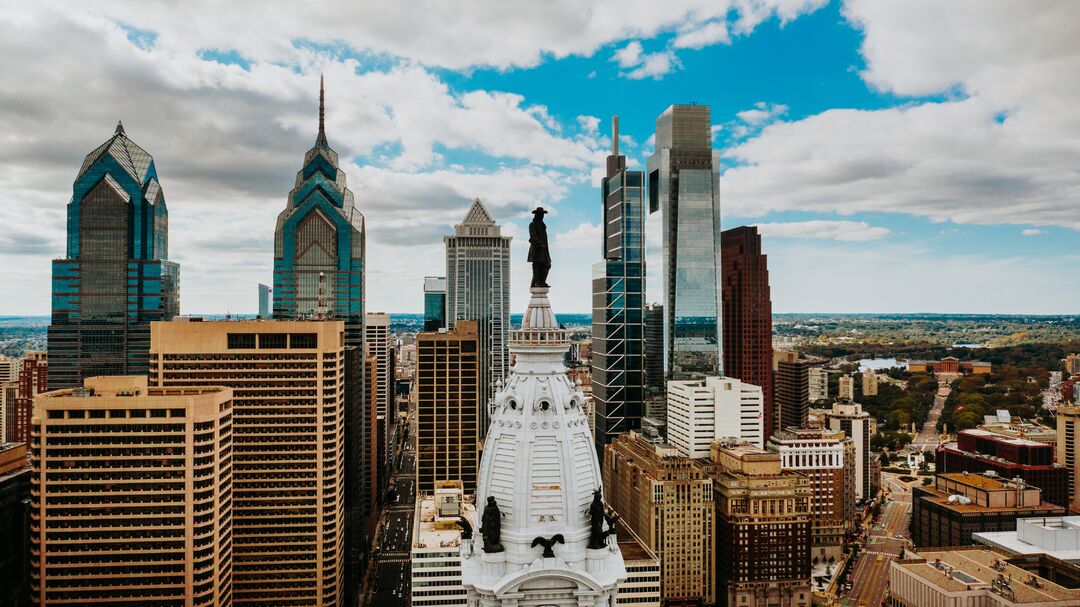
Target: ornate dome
<point>540,465</point>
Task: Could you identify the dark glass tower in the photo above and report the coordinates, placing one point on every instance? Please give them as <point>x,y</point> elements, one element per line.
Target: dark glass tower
<point>618,303</point>
<point>116,279</point>
<point>748,350</point>
<point>684,182</point>
<point>434,303</point>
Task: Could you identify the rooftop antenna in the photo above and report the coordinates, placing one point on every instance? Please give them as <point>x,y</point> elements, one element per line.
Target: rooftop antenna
<point>322,111</point>
<point>615,135</point>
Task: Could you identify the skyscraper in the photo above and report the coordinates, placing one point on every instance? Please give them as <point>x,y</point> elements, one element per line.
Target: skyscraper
<point>33,379</point>
<point>287,379</point>
<point>748,350</point>
<point>792,390</point>
<point>15,476</point>
<point>116,278</point>
<point>447,397</point>
<point>849,418</point>
<point>379,343</point>
<point>133,494</point>
<point>684,181</point>
<point>434,303</point>
<point>618,302</point>
<point>478,288</point>
<point>319,244</point>
<point>264,301</point>
<point>654,348</point>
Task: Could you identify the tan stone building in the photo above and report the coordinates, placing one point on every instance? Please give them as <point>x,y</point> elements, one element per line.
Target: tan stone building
<point>762,529</point>
<point>447,407</point>
<point>667,500</point>
<point>1067,451</point>
<point>869,383</point>
<point>288,467</point>
<point>131,494</point>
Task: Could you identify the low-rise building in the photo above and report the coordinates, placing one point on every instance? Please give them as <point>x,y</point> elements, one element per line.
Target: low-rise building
<point>437,545</point>
<point>642,585</point>
<point>960,504</point>
<point>1057,536</point>
<point>978,450</point>
<point>950,365</point>
<point>960,577</point>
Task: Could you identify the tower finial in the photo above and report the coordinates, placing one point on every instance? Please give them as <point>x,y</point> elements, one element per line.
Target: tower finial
<point>321,140</point>
<point>615,135</point>
<point>120,128</point>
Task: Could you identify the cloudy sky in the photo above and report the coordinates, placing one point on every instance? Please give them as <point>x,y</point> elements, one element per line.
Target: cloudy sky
<point>897,156</point>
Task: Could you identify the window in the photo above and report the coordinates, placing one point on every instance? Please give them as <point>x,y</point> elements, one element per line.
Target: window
<point>241,341</point>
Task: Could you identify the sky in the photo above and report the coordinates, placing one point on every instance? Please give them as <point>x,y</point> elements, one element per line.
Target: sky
<point>916,156</point>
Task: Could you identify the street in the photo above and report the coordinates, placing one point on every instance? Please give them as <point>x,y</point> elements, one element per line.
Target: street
<point>870,576</point>
<point>927,438</point>
<point>391,563</point>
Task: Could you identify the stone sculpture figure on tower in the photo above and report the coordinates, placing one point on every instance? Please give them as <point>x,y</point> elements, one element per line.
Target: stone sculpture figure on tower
<point>491,527</point>
<point>539,256</point>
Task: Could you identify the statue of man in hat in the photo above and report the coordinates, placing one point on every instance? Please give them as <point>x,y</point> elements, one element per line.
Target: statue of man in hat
<point>538,249</point>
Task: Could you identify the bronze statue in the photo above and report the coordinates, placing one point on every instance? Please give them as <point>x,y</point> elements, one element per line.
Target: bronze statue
<point>597,536</point>
<point>548,544</point>
<point>466,528</point>
<point>539,256</point>
<point>491,527</point>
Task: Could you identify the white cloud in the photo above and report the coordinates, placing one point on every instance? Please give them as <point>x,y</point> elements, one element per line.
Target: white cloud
<point>849,231</point>
<point>1031,232</point>
<point>762,112</point>
<point>713,32</point>
<point>629,55</point>
<point>644,65</point>
<point>585,235</point>
<point>1001,146</point>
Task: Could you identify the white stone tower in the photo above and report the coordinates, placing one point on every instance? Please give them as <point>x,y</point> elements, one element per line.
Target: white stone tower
<point>540,466</point>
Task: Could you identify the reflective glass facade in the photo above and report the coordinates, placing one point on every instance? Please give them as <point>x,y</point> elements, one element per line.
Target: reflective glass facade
<point>684,184</point>
<point>115,279</point>
<point>618,307</point>
<point>434,303</point>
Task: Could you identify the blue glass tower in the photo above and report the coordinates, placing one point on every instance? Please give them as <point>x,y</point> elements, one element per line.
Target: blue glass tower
<point>618,303</point>
<point>319,244</point>
<point>116,278</point>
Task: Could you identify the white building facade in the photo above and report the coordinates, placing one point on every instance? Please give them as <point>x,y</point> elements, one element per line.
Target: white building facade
<point>436,547</point>
<point>819,384</point>
<point>701,411</point>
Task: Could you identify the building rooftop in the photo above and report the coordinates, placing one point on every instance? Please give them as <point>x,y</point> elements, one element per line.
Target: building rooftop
<point>1002,438</point>
<point>630,545</point>
<point>965,504</point>
<point>970,568</point>
<point>438,529</point>
<point>1057,536</point>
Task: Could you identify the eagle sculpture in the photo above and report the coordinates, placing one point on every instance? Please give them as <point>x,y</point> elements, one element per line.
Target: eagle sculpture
<point>548,544</point>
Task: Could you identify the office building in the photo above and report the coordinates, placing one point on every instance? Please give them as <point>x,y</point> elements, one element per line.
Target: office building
<point>666,499</point>
<point>9,369</point>
<point>762,528</point>
<point>539,478</point>
<point>132,494</point>
<point>846,390</point>
<point>478,288</point>
<point>684,180</point>
<point>33,379</point>
<point>819,455</point>
<point>818,378</point>
<point>436,546</point>
<point>618,302</point>
<point>849,418</point>
<point>959,504</point>
<point>115,278</point>
<point>9,398</point>
<point>1057,537</point>
<point>1067,451</point>
<point>747,314</point>
<point>1004,424</point>
<point>434,303</point>
<point>792,384</point>
<point>319,244</point>
<point>654,349</point>
<point>869,382</point>
<point>447,397</point>
<point>14,525</point>
<point>958,576</point>
<point>642,584</point>
<point>361,467</point>
<point>264,301</point>
<point>1071,364</point>
<point>288,380</point>
<point>380,344</point>
<point>978,450</point>
<point>700,411</point>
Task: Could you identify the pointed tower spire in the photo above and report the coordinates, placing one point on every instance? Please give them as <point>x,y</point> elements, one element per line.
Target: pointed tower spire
<point>321,139</point>
<point>120,128</point>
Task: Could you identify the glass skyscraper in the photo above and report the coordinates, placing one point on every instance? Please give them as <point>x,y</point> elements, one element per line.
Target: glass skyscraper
<point>434,303</point>
<point>684,180</point>
<point>478,288</point>
<point>618,303</point>
<point>116,278</point>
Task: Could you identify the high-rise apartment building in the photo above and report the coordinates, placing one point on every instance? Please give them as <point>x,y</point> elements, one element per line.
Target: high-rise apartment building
<point>819,455</point>
<point>762,529</point>
<point>846,388</point>
<point>9,398</point>
<point>434,303</point>
<point>618,302</point>
<point>447,398</point>
<point>319,244</point>
<point>33,379</point>
<point>792,385</point>
<point>654,349</point>
<point>9,369</point>
<point>849,418</point>
<point>701,411</point>
<point>264,301</point>
<point>666,498</point>
<point>14,525</point>
<point>684,183</point>
<point>380,344</point>
<point>747,314</point>
<point>869,383</point>
<point>1067,450</point>
<point>818,378</point>
<point>132,494</point>
<point>642,585</point>
<point>478,288</point>
<point>436,546</point>
<point>288,450</point>
<point>115,278</point>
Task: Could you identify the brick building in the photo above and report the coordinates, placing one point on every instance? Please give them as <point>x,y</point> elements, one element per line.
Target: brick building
<point>978,451</point>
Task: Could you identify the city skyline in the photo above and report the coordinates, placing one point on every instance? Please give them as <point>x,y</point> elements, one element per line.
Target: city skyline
<point>879,193</point>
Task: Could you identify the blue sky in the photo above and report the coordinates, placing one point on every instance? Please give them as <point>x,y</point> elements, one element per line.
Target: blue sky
<point>898,157</point>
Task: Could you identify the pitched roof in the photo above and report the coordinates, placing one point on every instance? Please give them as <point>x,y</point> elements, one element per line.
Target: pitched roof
<point>478,214</point>
<point>135,160</point>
